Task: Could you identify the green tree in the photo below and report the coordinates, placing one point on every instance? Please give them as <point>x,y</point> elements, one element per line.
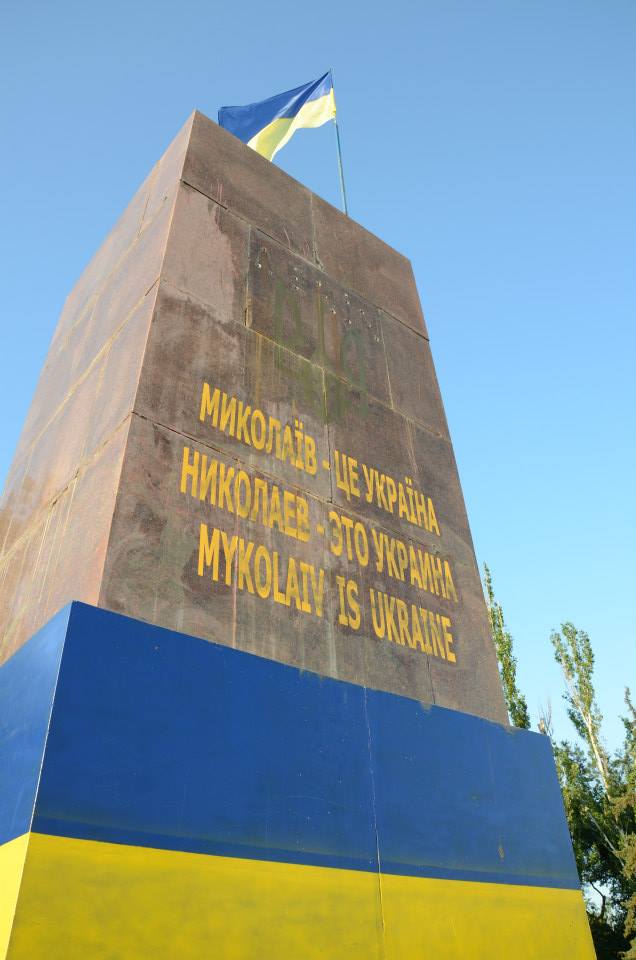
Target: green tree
<point>599,795</point>
<point>515,700</point>
<point>624,805</point>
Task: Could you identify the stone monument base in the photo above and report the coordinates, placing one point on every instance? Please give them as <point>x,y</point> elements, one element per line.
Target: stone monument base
<point>168,797</point>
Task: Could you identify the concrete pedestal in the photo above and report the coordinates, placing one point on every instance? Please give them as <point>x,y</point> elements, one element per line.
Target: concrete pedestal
<point>174,798</point>
<point>238,436</point>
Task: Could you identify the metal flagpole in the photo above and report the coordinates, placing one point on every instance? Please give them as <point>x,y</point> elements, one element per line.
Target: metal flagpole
<point>340,169</point>
<point>342,183</point>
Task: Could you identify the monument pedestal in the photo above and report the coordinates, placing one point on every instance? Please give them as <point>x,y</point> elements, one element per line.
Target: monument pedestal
<point>196,800</point>
<point>270,723</point>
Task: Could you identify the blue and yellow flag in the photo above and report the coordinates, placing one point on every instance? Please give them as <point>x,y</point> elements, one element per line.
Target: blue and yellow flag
<point>268,125</point>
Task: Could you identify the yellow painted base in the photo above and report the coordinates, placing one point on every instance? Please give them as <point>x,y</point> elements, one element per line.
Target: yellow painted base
<point>482,921</point>
<point>83,900</point>
<point>12,857</point>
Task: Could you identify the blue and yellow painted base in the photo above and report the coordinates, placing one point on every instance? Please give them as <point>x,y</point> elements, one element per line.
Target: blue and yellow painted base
<point>198,801</point>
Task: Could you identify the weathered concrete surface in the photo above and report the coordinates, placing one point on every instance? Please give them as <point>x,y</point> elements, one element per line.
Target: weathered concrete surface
<point>225,271</point>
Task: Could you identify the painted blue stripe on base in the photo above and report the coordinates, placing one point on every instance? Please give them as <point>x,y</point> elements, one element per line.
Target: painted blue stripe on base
<point>27,686</point>
<point>83,831</point>
<point>162,733</point>
<point>452,790</point>
<point>214,847</point>
<point>161,739</point>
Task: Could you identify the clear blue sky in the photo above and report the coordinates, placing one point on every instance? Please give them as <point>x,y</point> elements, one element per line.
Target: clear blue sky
<point>493,143</point>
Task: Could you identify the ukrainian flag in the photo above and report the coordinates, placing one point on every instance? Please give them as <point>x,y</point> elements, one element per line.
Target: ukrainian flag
<point>268,125</point>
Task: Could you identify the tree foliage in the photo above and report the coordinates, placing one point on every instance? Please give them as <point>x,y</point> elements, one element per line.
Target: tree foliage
<point>599,788</point>
<point>599,794</point>
<point>515,700</point>
<point>573,652</point>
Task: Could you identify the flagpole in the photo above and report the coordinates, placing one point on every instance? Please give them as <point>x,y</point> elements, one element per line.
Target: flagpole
<point>343,191</point>
<point>342,183</point>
